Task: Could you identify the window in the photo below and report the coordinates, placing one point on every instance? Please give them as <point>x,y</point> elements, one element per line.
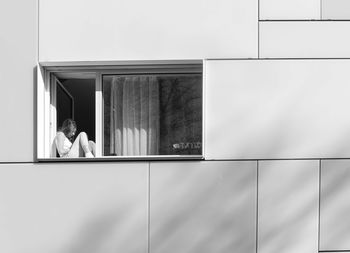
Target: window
<point>134,111</point>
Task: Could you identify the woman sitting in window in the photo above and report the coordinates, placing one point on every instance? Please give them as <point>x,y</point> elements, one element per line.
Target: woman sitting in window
<point>81,146</point>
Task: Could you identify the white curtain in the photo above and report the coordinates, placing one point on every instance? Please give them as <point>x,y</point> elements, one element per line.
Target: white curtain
<point>134,115</point>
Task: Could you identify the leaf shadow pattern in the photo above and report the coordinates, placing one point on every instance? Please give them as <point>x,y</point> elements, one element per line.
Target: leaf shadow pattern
<point>114,230</point>
<point>334,205</point>
<point>288,207</point>
<point>209,207</point>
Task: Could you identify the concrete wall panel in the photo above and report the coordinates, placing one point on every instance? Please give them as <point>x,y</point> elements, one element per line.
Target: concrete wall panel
<point>290,9</point>
<point>288,206</point>
<point>75,207</point>
<point>18,51</point>
<point>304,39</point>
<point>335,9</point>
<point>147,30</point>
<point>277,109</point>
<point>203,207</point>
<point>335,205</point>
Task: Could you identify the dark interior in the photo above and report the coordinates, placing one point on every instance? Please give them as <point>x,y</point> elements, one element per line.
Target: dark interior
<point>83,93</point>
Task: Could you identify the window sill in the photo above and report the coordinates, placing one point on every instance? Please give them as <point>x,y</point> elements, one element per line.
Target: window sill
<point>125,158</point>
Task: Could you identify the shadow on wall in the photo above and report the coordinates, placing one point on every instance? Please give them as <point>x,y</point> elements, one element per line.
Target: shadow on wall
<point>203,209</point>
<point>118,230</point>
<point>335,207</point>
<point>288,210</point>
<point>196,208</point>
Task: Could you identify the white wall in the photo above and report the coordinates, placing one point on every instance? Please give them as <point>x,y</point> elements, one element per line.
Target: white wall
<point>335,206</point>
<point>288,206</point>
<point>335,9</point>
<point>18,51</point>
<point>289,9</point>
<point>272,109</point>
<point>255,109</point>
<point>74,208</point>
<point>147,30</point>
<point>203,207</point>
<point>304,39</point>
<point>104,207</point>
<point>184,206</point>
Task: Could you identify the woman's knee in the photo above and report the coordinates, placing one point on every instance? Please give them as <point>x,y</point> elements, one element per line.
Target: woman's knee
<point>82,134</point>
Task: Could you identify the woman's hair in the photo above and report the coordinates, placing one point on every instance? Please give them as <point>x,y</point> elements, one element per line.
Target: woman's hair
<point>67,126</point>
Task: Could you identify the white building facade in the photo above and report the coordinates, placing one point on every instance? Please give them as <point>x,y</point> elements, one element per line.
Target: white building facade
<point>275,172</point>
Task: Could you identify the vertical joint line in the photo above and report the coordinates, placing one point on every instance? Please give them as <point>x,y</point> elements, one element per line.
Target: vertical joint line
<point>257,206</point>
<point>319,203</point>
<point>149,209</point>
<point>38,29</point>
<point>258,29</point>
<point>258,39</point>
<point>321,9</point>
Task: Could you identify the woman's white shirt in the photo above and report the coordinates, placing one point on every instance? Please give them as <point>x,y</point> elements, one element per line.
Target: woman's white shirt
<point>63,144</point>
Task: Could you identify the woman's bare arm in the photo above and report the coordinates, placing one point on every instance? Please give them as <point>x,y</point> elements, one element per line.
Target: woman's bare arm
<point>60,137</point>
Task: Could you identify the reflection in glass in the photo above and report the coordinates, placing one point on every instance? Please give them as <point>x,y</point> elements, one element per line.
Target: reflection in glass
<point>152,114</point>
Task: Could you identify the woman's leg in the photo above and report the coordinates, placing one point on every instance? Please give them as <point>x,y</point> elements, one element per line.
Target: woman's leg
<point>80,146</point>
<point>92,147</point>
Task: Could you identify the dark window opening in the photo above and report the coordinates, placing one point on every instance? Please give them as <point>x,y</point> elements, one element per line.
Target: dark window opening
<point>82,92</point>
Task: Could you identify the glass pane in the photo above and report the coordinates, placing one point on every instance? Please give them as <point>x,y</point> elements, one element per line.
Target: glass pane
<point>152,114</point>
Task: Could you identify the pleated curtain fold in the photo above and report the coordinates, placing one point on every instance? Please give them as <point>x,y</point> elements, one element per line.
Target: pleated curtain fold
<point>134,115</point>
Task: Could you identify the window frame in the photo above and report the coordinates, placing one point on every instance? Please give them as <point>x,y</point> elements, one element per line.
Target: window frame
<point>46,128</point>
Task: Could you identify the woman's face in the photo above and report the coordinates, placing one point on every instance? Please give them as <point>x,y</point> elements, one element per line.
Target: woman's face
<point>71,132</point>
